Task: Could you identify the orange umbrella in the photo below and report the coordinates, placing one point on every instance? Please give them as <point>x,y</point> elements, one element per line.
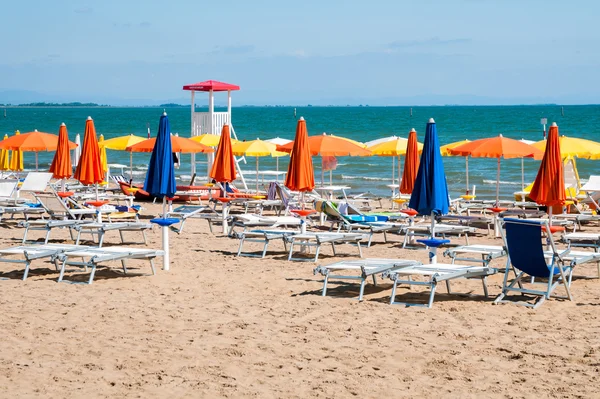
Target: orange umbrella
<point>61,164</point>
<point>497,147</point>
<point>411,164</point>
<point>33,141</point>
<point>301,175</point>
<point>549,185</point>
<point>223,169</point>
<point>178,144</point>
<point>327,145</point>
<point>89,169</point>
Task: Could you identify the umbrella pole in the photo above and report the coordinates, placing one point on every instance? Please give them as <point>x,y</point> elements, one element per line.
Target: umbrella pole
<point>63,185</point>
<point>130,168</point>
<point>522,174</point>
<point>399,175</point>
<point>498,184</point>
<point>36,161</point>
<point>322,173</point>
<point>432,250</point>
<point>165,237</point>
<point>331,178</point>
<point>277,165</point>
<point>467,167</point>
<point>393,175</point>
<point>257,175</point>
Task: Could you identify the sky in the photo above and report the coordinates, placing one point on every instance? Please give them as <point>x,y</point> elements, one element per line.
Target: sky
<point>395,52</point>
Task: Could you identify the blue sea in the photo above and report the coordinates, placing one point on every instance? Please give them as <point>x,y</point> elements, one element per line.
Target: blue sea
<point>359,123</point>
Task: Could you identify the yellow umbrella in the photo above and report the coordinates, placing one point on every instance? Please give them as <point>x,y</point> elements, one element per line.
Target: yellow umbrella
<point>120,144</point>
<point>4,157</point>
<point>574,147</point>
<point>256,148</point>
<point>445,151</point>
<point>16,161</point>
<point>211,140</point>
<point>102,148</point>
<point>393,148</point>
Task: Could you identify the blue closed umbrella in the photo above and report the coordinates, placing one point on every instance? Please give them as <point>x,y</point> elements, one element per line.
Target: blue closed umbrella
<point>160,180</point>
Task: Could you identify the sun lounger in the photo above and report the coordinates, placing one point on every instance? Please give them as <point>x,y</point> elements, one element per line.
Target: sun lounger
<point>261,236</point>
<point>308,240</point>
<point>440,229</point>
<point>185,212</point>
<point>526,258</point>
<point>25,254</point>
<point>252,221</point>
<point>584,240</point>
<point>363,269</point>
<point>435,273</point>
<point>483,254</point>
<point>100,229</point>
<point>95,257</point>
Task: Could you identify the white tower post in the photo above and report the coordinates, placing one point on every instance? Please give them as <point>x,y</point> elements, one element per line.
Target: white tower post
<point>193,158</point>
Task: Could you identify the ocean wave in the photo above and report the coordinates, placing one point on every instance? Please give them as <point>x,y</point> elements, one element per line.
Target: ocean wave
<point>349,177</point>
<point>504,183</point>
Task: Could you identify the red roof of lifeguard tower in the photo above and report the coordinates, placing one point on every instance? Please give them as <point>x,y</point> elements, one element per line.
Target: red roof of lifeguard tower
<point>209,85</point>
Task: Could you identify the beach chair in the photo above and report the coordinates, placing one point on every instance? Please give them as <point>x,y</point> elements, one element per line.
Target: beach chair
<point>185,212</point>
<point>434,273</point>
<point>309,240</point>
<point>252,221</point>
<point>99,230</point>
<point>25,254</point>
<point>477,253</point>
<point>526,258</point>
<point>92,258</point>
<point>361,269</point>
<point>439,229</point>
<point>261,236</point>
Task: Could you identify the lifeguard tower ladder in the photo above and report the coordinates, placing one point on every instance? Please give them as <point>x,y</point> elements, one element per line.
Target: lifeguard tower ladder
<point>212,122</point>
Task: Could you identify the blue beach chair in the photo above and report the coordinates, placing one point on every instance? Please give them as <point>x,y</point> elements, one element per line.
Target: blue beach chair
<point>527,258</point>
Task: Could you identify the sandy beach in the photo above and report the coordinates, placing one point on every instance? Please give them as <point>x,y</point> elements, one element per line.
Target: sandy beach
<point>221,326</point>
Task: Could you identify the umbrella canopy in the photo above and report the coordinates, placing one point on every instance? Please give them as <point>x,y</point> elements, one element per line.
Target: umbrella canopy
<point>411,164</point>
<point>329,145</point>
<point>392,148</point>
<point>256,148</point>
<point>178,144</point>
<point>549,185</point>
<point>278,141</point>
<point>445,149</point>
<point>160,179</point>
<point>497,147</point>
<point>16,160</point>
<point>211,140</point>
<point>430,193</point>
<point>574,147</point>
<point>380,140</point>
<point>223,169</point>
<point>4,157</point>
<point>89,168</point>
<point>121,143</point>
<point>103,159</point>
<point>61,167</point>
<point>300,175</point>
<point>33,141</point>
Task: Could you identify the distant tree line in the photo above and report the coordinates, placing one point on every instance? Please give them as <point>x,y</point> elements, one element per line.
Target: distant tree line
<point>73,104</point>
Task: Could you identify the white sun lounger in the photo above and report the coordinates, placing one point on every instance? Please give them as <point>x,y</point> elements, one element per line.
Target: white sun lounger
<point>100,229</point>
<point>249,220</point>
<point>441,229</point>
<point>585,240</point>
<point>483,254</point>
<point>263,237</point>
<point>25,254</point>
<point>185,212</point>
<point>95,257</point>
<point>362,269</point>
<point>436,273</point>
<point>307,240</point>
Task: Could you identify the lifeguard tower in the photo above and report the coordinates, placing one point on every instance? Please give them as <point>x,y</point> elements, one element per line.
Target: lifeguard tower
<point>212,122</point>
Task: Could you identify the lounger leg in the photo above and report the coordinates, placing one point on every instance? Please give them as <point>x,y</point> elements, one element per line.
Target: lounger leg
<point>333,248</point>
<point>265,248</point>
<point>385,237</point>
<point>152,267</point>
<point>325,284</point>
<point>374,280</point>
<point>240,247</point>
<point>100,238</point>
<point>26,272</point>
<point>484,282</point>
<point>317,252</point>
<point>291,250</point>
<point>122,238</point>
<point>62,270</point>
<point>25,235</point>
<point>393,296</point>
<point>124,267</point>
<point>47,236</point>
<point>359,249</point>
<point>92,274</point>
<point>566,283</point>
<point>362,289</point>
<point>448,286</point>
<point>431,294</point>
<point>370,239</point>
<point>467,238</point>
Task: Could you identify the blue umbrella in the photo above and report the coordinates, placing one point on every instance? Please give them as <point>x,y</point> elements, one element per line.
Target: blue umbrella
<point>160,180</point>
<point>430,194</point>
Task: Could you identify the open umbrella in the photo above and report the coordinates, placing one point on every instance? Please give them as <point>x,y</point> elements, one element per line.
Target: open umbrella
<point>445,151</point>
<point>4,157</point>
<point>16,159</point>
<point>411,164</point>
<point>120,144</point>
<point>256,148</point>
<point>209,139</point>
<point>497,147</point>
<point>89,169</point>
<point>574,147</point>
<point>393,147</point>
<point>33,142</point>
<point>61,167</point>
<point>178,144</point>
<point>278,141</point>
<point>160,180</point>
<point>300,175</point>
<point>549,185</point>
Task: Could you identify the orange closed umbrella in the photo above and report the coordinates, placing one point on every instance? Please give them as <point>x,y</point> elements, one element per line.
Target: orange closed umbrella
<point>61,163</point>
<point>300,175</point>
<point>411,164</point>
<point>223,169</point>
<point>549,185</point>
<point>89,169</point>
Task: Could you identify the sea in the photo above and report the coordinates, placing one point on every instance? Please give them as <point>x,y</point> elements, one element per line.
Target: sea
<point>362,123</point>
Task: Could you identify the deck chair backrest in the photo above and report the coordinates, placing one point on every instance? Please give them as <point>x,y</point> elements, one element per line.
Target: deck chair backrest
<point>7,188</point>
<point>593,184</point>
<point>523,240</point>
<point>36,181</point>
<point>54,205</point>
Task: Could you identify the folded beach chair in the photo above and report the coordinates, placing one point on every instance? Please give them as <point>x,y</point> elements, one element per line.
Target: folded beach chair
<point>362,270</point>
<point>434,273</point>
<point>96,257</point>
<point>526,257</point>
<point>308,240</point>
<point>25,254</point>
<point>261,236</point>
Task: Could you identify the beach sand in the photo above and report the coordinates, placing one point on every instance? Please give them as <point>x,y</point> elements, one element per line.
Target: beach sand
<point>220,326</point>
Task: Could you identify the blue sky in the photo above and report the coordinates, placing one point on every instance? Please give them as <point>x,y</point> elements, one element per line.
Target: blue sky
<point>319,52</point>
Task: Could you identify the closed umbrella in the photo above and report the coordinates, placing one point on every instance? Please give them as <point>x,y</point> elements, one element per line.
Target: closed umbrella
<point>223,168</point>
<point>160,180</point>
<point>549,185</point>
<point>4,157</point>
<point>300,175</point>
<point>16,159</point>
<point>89,169</point>
<point>430,192</point>
<point>61,167</point>
<point>411,164</point>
